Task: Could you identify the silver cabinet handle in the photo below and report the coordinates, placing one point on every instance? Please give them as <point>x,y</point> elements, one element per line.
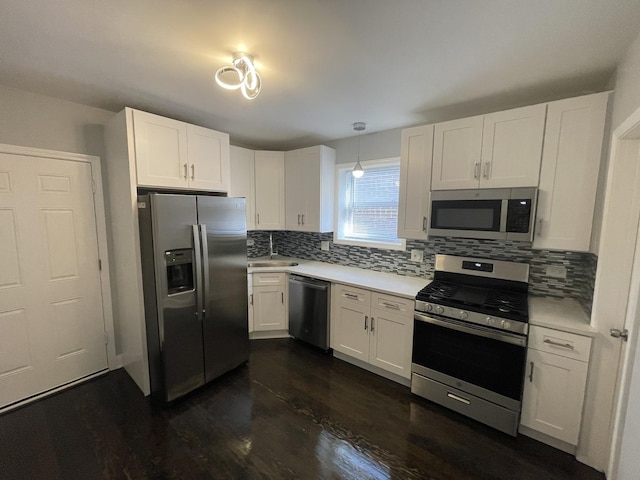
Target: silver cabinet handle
<point>303,219</point>
<point>395,306</point>
<point>365,322</point>
<point>476,170</point>
<point>486,169</point>
<point>257,219</point>
<point>251,299</point>
<point>185,171</point>
<point>616,333</point>
<point>539,229</point>
<point>453,396</point>
<point>531,373</point>
<point>556,344</point>
<point>424,224</point>
<point>193,172</point>
<point>373,327</point>
<point>351,295</point>
<point>282,293</point>
<point>298,219</point>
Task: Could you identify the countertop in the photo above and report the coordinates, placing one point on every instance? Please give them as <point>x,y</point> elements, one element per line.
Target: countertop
<point>390,283</point>
<point>564,314</point>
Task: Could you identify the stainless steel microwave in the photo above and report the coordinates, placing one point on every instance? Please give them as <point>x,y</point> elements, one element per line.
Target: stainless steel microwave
<point>500,213</point>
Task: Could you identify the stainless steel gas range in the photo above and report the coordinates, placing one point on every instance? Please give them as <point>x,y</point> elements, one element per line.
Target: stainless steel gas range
<point>470,337</point>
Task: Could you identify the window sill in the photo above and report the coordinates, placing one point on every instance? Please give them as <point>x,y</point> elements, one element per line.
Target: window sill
<point>363,243</point>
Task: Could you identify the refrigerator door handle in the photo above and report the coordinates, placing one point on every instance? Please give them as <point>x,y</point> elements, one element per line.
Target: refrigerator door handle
<point>198,268</point>
<point>204,291</point>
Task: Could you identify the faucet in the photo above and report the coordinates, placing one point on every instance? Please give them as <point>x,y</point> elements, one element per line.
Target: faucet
<point>271,252</point>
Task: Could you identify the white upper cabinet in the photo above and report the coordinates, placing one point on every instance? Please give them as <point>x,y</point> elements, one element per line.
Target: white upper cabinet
<point>416,150</point>
<point>457,146</point>
<point>569,173</point>
<point>512,147</point>
<point>243,182</point>
<point>498,150</point>
<point>269,191</point>
<point>173,154</point>
<point>309,183</point>
<point>208,155</point>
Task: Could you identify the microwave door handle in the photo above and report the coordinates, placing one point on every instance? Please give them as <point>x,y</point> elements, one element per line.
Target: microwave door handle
<point>205,268</point>
<point>198,267</point>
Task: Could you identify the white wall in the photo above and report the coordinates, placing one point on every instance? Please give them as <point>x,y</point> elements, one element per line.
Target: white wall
<point>595,436</point>
<point>373,146</point>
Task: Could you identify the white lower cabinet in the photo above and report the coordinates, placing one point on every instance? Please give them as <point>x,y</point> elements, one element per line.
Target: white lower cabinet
<point>373,328</point>
<point>555,382</point>
<point>250,302</point>
<point>269,302</point>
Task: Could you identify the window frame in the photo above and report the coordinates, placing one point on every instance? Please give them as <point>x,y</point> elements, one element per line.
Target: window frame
<point>339,192</point>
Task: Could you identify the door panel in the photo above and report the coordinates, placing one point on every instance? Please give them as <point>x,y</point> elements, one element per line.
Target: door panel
<point>208,152</point>
<point>391,342</point>
<point>457,147</point>
<point>51,318</point>
<point>351,338</point>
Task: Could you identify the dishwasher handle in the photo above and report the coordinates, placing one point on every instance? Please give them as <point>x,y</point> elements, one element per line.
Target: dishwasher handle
<point>309,282</point>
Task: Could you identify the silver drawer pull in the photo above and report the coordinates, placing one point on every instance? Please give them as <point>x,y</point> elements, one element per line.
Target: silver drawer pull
<point>556,344</point>
<point>457,398</point>
<point>350,295</point>
<point>395,306</point>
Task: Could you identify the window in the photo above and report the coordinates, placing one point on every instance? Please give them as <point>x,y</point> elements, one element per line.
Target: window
<point>368,206</point>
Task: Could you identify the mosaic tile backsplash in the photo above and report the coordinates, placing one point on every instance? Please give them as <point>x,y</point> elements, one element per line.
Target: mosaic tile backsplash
<point>581,267</point>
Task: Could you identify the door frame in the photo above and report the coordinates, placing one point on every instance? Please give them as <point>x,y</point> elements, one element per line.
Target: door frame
<point>628,132</point>
<point>113,360</point>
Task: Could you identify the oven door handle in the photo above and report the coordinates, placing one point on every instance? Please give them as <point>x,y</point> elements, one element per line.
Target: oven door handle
<point>474,330</point>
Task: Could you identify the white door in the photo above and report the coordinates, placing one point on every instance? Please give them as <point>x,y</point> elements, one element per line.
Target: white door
<point>295,171</point>
<point>352,331</point>
<point>512,147</point>
<point>208,154</point>
<point>269,311</point>
<point>51,319</point>
<point>457,148</point>
<point>391,338</point>
<point>269,170</point>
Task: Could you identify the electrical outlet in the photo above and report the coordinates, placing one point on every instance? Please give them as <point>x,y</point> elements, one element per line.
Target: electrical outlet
<point>324,245</point>
<point>250,242</point>
<point>557,271</point>
<point>417,256</point>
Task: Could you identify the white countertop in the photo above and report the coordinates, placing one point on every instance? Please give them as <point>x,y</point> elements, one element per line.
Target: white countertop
<point>390,283</point>
<point>564,314</point>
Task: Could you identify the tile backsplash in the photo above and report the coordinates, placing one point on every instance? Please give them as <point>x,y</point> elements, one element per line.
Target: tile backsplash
<point>580,267</point>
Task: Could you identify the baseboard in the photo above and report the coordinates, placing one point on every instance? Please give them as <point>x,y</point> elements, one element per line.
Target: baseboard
<point>553,442</point>
<point>373,369</point>
<point>269,334</point>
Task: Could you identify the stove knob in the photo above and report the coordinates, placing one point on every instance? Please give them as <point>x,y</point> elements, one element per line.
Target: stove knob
<point>428,307</point>
<point>490,321</point>
<point>505,324</point>
<point>463,315</point>
<point>439,309</point>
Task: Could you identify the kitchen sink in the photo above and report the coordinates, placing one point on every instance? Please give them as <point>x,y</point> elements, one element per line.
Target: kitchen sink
<point>272,263</point>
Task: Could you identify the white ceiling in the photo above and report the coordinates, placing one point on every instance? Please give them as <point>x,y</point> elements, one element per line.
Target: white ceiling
<point>324,63</point>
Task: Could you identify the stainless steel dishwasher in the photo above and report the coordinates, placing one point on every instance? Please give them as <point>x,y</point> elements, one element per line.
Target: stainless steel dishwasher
<point>309,310</point>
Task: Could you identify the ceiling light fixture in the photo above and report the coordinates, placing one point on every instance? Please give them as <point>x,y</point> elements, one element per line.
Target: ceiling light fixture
<point>358,171</point>
<point>241,74</point>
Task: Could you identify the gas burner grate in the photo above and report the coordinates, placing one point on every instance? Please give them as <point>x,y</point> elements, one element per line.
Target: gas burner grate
<point>439,290</point>
<point>507,301</point>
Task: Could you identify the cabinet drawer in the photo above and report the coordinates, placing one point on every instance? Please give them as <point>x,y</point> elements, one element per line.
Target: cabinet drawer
<point>348,294</point>
<point>265,279</point>
<point>392,304</point>
<point>565,344</point>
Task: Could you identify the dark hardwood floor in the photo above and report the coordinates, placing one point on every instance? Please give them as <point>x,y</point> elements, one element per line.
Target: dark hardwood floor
<point>292,413</point>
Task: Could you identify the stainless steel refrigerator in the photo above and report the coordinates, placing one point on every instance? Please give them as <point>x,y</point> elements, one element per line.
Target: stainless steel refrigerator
<point>194,266</point>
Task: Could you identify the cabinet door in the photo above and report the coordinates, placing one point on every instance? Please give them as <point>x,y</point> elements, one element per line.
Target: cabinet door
<point>350,321</point>
<point>569,174</point>
<point>512,147</point>
<point>250,302</point>
<point>391,341</point>
<point>269,200</point>
<point>269,312</point>
<point>208,153</point>
<point>161,151</point>
<point>553,395</point>
<point>242,180</point>
<point>416,151</point>
<point>297,169</point>
<point>457,147</point>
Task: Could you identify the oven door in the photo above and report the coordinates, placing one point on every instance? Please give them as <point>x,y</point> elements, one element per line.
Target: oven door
<point>481,361</point>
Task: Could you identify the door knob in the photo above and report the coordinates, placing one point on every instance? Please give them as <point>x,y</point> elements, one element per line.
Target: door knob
<point>623,334</point>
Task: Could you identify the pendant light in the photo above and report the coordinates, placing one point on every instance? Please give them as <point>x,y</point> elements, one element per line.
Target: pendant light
<point>358,171</point>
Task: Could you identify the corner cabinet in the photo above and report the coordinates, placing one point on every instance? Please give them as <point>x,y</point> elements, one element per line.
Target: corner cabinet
<point>173,154</point>
<point>569,173</point>
<point>416,150</point>
<point>242,181</point>
<point>554,388</point>
<point>498,150</point>
<point>309,183</point>
<point>374,328</point>
<point>269,190</point>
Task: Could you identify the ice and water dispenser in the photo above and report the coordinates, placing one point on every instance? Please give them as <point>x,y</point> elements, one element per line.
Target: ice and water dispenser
<point>179,270</point>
